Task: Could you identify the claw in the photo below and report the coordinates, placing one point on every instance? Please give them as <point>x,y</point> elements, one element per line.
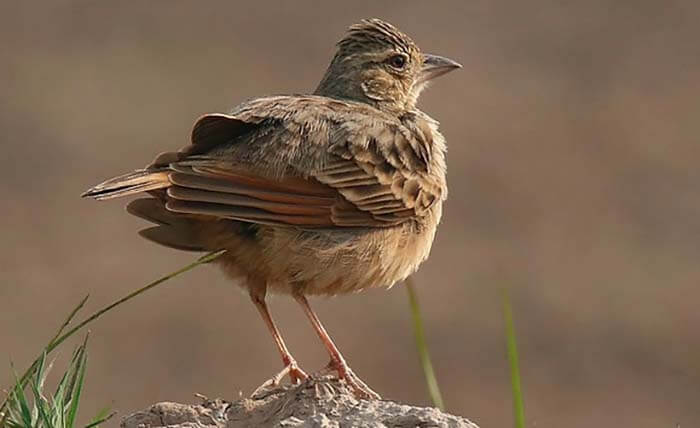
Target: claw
<point>295,373</point>
<point>359,388</point>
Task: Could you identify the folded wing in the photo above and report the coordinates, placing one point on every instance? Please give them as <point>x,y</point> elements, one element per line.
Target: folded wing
<point>304,161</point>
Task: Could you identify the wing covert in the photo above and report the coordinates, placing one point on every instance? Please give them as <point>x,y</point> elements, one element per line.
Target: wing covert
<point>309,161</point>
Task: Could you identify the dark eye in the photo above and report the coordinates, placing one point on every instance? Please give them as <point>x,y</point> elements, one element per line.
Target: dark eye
<point>397,61</point>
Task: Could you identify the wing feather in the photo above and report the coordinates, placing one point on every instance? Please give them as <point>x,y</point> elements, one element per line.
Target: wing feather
<point>308,161</point>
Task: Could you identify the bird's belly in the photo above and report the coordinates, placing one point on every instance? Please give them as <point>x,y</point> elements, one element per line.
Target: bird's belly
<point>331,262</point>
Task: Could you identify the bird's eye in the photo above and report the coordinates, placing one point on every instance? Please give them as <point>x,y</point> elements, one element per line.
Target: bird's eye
<point>398,61</point>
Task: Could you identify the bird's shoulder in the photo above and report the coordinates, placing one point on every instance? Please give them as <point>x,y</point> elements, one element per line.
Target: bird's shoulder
<point>309,131</point>
<point>302,107</point>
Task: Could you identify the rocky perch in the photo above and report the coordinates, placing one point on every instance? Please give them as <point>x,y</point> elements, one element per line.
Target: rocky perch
<point>314,403</point>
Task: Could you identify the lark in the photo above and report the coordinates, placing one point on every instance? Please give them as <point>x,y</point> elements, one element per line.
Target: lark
<point>323,194</point>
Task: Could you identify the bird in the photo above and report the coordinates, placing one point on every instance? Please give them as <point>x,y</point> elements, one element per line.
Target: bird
<point>319,194</point>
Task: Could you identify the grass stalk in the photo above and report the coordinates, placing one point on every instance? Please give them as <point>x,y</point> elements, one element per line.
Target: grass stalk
<point>513,361</point>
<point>422,346</point>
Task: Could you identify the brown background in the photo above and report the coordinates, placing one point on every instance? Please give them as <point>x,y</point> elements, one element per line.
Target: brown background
<point>573,149</point>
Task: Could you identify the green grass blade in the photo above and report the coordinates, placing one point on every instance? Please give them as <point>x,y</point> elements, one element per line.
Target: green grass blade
<point>422,346</point>
<point>71,376</point>
<point>70,317</point>
<point>42,371</point>
<point>20,404</point>
<point>103,416</point>
<point>77,386</point>
<point>40,405</point>
<point>512,347</point>
<point>59,397</point>
<point>60,338</point>
<point>40,410</point>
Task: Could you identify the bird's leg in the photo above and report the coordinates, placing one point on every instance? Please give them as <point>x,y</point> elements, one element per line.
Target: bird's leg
<point>291,368</point>
<point>337,362</point>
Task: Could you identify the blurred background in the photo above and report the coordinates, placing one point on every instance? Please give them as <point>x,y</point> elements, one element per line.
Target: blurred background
<point>573,149</point>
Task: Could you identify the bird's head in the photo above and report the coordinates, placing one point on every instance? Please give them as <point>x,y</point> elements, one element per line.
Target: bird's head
<point>378,64</point>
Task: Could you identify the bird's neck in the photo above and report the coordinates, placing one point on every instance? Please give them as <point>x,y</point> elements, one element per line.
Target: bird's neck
<point>346,84</point>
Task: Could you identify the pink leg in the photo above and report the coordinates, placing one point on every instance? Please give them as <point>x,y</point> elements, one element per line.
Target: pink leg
<point>337,362</point>
<point>290,365</point>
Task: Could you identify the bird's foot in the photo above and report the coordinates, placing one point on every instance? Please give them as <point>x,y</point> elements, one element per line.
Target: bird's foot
<point>295,373</point>
<point>359,388</point>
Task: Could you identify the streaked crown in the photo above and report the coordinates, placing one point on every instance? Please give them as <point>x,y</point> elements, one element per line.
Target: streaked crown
<point>377,34</point>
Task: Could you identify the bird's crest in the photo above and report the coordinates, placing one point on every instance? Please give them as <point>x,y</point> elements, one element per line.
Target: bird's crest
<point>374,31</point>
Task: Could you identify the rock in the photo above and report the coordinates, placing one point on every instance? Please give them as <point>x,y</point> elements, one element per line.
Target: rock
<point>315,403</point>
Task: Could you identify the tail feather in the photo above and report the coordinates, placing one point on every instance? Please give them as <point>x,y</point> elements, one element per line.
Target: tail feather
<point>153,210</point>
<point>142,180</point>
<point>174,230</point>
<point>182,238</point>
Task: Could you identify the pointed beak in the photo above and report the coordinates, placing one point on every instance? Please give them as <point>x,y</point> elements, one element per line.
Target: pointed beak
<point>435,66</point>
